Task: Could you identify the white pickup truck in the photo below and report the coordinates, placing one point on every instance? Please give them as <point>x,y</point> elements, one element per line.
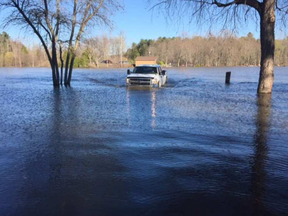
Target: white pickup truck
<point>147,75</point>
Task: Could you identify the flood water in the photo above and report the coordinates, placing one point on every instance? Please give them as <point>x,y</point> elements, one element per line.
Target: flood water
<point>194,147</point>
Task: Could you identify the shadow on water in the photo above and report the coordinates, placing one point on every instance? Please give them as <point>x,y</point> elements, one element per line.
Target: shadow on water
<point>260,152</point>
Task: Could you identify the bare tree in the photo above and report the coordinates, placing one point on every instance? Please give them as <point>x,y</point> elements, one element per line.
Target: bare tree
<point>232,11</point>
<point>43,19</point>
<point>50,19</point>
<point>93,47</point>
<point>105,48</point>
<point>121,47</point>
<point>84,12</point>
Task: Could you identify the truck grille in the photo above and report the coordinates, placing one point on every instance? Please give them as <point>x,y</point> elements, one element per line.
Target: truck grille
<point>140,81</point>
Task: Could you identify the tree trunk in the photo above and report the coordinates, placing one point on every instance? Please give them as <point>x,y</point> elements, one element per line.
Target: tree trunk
<point>62,64</point>
<point>71,69</point>
<point>97,63</point>
<point>53,72</point>
<point>166,61</point>
<point>90,60</point>
<point>267,36</point>
<point>33,60</point>
<point>66,68</point>
<point>55,62</point>
<point>20,62</point>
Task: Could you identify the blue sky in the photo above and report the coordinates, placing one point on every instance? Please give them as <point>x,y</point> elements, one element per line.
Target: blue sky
<point>138,22</point>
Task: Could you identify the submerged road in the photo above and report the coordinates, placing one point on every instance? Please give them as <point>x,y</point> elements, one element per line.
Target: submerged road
<point>194,147</point>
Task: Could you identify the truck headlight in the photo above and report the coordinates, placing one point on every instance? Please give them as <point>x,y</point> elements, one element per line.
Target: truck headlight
<point>154,81</point>
<point>127,81</point>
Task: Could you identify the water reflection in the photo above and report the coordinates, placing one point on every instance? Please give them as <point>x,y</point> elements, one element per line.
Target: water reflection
<point>55,142</point>
<point>70,151</point>
<point>260,150</point>
<point>77,167</point>
<point>42,162</point>
<point>153,109</point>
<point>141,107</point>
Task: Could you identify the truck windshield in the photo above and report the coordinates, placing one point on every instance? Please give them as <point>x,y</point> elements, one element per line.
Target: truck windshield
<point>145,70</point>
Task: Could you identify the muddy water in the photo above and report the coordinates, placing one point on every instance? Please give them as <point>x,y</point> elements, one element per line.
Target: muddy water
<point>194,147</point>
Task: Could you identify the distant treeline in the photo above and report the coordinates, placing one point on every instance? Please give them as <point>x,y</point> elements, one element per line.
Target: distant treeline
<point>91,52</point>
<point>224,50</point>
<point>15,54</point>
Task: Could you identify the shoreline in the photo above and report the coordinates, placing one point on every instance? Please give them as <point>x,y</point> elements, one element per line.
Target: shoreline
<point>111,67</point>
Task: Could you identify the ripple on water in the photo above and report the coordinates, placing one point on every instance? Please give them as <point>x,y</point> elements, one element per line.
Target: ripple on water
<point>195,146</point>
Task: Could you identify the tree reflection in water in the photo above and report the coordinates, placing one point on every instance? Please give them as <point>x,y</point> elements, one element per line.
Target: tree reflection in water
<point>260,157</point>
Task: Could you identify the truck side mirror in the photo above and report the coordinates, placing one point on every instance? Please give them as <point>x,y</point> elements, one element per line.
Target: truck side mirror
<point>128,72</point>
<point>163,72</point>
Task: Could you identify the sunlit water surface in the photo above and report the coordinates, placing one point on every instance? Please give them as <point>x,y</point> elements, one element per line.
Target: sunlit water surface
<point>194,147</point>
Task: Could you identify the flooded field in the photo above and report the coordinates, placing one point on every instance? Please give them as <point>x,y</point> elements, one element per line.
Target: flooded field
<point>194,147</point>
